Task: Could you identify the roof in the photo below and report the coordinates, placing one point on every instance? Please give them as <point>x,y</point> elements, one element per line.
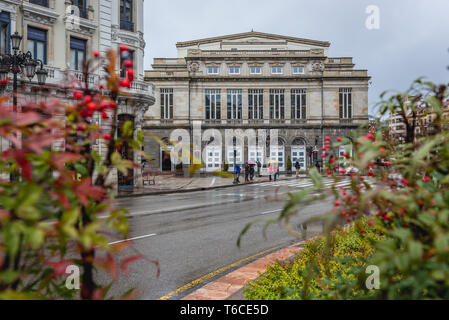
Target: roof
<point>252,34</point>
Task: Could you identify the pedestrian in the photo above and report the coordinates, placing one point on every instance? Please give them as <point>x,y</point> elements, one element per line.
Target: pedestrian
<point>276,172</point>
<point>246,171</point>
<point>237,173</point>
<point>270,170</point>
<point>251,173</point>
<point>298,167</point>
<point>259,165</point>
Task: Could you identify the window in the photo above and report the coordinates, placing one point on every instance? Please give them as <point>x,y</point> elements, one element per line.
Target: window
<point>255,104</point>
<point>4,32</point>
<point>213,104</point>
<point>126,15</point>
<point>255,70</point>
<point>299,104</point>
<point>234,70</point>
<point>277,104</point>
<point>345,100</point>
<point>122,60</point>
<point>234,104</point>
<point>298,70</point>
<point>212,70</point>
<point>166,104</point>
<point>40,2</point>
<point>81,4</point>
<point>77,53</point>
<point>276,70</point>
<point>37,43</point>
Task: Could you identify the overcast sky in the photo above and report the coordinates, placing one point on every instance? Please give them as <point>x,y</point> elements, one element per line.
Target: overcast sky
<point>412,41</point>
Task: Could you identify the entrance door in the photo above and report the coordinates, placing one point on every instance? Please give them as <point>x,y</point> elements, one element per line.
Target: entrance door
<point>213,159</point>
<point>278,154</point>
<point>166,164</point>
<point>238,158</point>
<point>125,181</point>
<point>299,154</point>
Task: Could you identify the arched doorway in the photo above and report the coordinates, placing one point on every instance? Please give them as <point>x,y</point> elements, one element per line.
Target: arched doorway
<point>125,181</point>
<point>298,153</point>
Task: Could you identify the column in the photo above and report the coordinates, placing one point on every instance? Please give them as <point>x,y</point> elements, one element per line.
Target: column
<point>288,106</point>
<point>245,105</point>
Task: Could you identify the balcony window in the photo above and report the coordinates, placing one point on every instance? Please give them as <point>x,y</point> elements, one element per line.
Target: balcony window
<point>234,70</point>
<point>277,70</point>
<point>77,53</point>
<point>37,43</point>
<point>299,111</point>
<point>40,2</point>
<point>235,104</point>
<point>298,70</point>
<point>213,70</point>
<point>81,5</point>
<point>213,104</point>
<point>126,15</point>
<point>166,104</point>
<point>277,104</point>
<point>255,104</point>
<point>4,32</point>
<point>255,70</point>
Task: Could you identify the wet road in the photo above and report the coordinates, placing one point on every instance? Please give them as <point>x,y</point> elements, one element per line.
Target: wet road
<point>194,234</point>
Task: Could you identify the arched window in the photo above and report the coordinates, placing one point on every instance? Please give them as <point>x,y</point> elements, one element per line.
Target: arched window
<point>126,15</point>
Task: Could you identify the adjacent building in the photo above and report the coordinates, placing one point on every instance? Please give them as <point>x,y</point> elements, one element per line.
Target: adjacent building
<point>63,33</point>
<point>255,81</point>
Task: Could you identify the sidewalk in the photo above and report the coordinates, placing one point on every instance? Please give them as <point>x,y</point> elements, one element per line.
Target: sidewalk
<point>174,184</point>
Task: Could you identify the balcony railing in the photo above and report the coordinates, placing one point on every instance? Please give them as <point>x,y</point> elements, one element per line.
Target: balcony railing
<point>127,25</point>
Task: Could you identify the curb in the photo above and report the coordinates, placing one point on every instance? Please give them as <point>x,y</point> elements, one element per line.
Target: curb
<point>231,285</point>
<point>144,194</point>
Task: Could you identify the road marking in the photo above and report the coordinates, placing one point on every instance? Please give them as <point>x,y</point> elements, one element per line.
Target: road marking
<point>214,273</point>
<point>273,211</point>
<point>132,239</point>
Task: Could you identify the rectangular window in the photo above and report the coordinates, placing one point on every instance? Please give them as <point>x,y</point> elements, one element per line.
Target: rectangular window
<point>345,102</point>
<point>40,2</point>
<point>77,53</point>
<point>276,70</point>
<point>298,70</point>
<point>277,104</point>
<point>126,15</point>
<point>166,104</point>
<point>4,32</point>
<point>234,70</point>
<point>81,6</point>
<point>255,70</point>
<point>37,43</point>
<point>299,110</point>
<point>235,104</point>
<point>213,104</point>
<point>212,70</point>
<point>255,104</point>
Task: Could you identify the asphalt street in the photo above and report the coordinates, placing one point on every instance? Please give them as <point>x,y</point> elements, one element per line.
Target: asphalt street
<point>193,235</point>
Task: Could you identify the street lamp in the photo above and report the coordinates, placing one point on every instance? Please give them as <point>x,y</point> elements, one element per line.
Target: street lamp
<point>19,62</point>
<point>234,142</point>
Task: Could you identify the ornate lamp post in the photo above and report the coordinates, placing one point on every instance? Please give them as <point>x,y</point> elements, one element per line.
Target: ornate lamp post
<point>19,62</point>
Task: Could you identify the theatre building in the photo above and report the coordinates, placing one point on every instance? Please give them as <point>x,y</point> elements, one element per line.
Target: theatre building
<point>255,81</point>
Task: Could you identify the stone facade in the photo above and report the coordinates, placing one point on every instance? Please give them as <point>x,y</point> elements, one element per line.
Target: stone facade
<point>242,63</point>
<point>97,23</point>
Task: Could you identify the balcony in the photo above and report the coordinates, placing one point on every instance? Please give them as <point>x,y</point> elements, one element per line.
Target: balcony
<point>127,25</point>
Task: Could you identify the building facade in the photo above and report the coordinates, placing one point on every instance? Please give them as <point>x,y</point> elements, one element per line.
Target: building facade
<point>255,81</point>
<point>63,33</point>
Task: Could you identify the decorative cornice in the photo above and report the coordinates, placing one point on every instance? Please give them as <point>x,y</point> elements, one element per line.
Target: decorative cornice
<point>39,14</point>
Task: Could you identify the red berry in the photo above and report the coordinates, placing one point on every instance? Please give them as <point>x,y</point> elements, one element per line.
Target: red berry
<point>104,115</point>
<point>96,54</point>
<point>101,86</point>
<point>87,99</point>
<point>323,149</point>
<point>337,203</point>
<point>386,218</point>
<point>80,128</point>
<point>328,139</point>
<point>130,73</point>
<point>333,160</point>
<point>344,193</point>
<point>370,223</point>
<point>329,172</point>
<point>123,48</point>
<point>107,136</point>
<point>343,171</point>
<point>405,182</point>
<point>363,231</point>
<point>78,95</point>
<point>343,213</point>
<point>91,106</point>
<point>348,219</point>
<point>354,199</point>
<point>104,105</point>
<point>371,174</point>
<point>370,136</point>
<point>112,105</point>
<point>128,63</point>
<point>426,179</point>
<point>125,83</point>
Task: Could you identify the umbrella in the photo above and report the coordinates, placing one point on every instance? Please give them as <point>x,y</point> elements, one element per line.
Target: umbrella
<point>250,162</point>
